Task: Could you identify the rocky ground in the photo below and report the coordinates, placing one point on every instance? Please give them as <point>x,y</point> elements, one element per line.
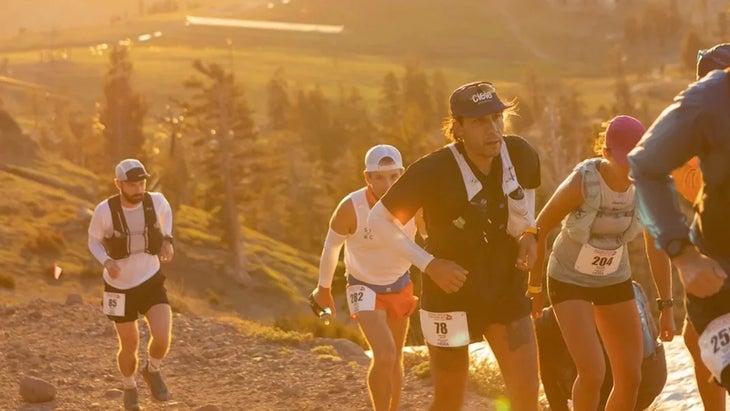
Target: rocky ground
<point>211,366</point>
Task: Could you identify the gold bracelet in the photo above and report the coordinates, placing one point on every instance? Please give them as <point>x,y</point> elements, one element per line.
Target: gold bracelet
<point>531,230</point>
<point>534,289</point>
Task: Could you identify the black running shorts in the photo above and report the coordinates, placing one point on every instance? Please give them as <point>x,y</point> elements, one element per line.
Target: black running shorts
<point>560,291</point>
<point>139,299</point>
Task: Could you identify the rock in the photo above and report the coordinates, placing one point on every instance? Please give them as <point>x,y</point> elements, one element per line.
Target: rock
<point>74,299</point>
<point>346,349</point>
<point>35,390</point>
<point>35,315</point>
<point>113,394</point>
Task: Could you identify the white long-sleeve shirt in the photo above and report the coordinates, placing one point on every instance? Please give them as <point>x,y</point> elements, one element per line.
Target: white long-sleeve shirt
<point>139,266</point>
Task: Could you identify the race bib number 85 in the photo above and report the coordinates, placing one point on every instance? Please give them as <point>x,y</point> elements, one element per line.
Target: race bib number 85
<point>715,345</point>
<point>114,304</point>
<point>445,329</point>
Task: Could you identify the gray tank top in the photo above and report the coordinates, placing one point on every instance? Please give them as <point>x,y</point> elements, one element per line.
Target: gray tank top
<point>612,220</point>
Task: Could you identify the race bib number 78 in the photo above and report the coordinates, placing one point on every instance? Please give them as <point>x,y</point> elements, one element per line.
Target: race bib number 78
<point>445,329</point>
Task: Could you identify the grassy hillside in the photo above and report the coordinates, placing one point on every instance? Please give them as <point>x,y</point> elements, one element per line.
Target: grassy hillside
<point>43,220</point>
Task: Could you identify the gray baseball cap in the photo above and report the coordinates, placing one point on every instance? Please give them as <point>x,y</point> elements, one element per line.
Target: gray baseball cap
<point>131,169</point>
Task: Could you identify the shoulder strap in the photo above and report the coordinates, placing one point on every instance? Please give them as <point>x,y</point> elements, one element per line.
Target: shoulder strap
<point>150,217</point>
<point>591,182</point>
<point>118,220</point>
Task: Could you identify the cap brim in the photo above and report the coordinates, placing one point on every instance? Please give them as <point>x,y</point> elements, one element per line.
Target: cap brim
<point>137,178</point>
<point>484,110</point>
<point>390,167</point>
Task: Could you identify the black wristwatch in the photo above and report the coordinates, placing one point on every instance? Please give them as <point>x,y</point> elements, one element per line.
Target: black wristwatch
<point>662,304</point>
<point>168,238</point>
<point>675,247</point>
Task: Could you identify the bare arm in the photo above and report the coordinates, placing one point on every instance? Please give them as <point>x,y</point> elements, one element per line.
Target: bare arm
<point>566,198</point>
<point>660,267</point>
<point>661,270</point>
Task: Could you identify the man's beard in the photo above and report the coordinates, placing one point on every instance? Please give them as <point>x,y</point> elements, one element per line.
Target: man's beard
<point>134,198</point>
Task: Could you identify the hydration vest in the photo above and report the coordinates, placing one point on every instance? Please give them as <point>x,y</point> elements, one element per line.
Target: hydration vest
<point>117,246</point>
<point>578,223</point>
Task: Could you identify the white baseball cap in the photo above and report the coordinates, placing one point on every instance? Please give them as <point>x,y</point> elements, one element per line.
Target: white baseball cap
<point>131,170</point>
<point>376,154</point>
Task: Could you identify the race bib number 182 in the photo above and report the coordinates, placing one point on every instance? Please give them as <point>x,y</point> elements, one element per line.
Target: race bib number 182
<point>445,329</point>
<point>114,304</point>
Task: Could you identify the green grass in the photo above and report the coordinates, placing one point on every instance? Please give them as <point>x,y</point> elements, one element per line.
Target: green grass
<point>492,40</point>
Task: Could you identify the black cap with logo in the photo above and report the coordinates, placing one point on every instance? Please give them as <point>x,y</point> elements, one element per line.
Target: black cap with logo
<point>476,99</point>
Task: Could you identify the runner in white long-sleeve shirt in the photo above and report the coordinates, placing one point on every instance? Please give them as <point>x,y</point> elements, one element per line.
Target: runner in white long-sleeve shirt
<point>130,233</point>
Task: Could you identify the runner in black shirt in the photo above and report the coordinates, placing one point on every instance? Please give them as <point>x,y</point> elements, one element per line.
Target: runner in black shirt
<point>477,196</point>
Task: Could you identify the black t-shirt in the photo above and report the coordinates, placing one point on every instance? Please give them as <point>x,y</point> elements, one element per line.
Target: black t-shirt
<point>470,233</point>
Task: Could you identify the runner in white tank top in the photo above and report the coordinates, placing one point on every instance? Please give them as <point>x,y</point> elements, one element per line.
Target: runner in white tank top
<point>380,292</point>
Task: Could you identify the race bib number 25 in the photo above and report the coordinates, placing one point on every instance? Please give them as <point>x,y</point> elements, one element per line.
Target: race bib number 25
<point>114,304</point>
<point>715,345</point>
<point>445,329</point>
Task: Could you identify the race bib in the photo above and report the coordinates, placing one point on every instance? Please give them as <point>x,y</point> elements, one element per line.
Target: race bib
<point>595,261</point>
<point>445,329</point>
<point>360,298</point>
<point>114,304</point>
<point>715,345</point>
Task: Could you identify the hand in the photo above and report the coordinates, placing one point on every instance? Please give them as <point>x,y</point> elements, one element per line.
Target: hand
<point>448,275</point>
<point>701,275</point>
<point>527,252</point>
<point>537,301</point>
<point>112,268</point>
<point>167,251</point>
<point>667,328</point>
<point>323,297</point>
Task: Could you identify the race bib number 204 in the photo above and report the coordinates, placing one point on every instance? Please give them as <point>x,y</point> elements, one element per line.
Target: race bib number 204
<point>445,329</point>
<point>595,261</point>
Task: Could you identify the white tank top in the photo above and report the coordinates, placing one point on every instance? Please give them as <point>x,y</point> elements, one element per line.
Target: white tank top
<point>368,259</point>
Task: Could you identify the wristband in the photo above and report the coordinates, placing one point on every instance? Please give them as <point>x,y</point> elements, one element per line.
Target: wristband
<point>662,304</point>
<point>532,230</point>
<point>534,289</point>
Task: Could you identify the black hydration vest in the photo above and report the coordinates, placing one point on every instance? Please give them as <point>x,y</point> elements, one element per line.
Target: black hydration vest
<point>117,246</point>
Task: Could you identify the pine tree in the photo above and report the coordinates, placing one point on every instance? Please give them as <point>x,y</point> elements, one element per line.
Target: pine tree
<point>226,149</point>
<point>123,110</point>
<point>278,101</point>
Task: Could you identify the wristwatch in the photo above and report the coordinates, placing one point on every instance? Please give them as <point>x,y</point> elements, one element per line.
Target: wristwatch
<point>675,247</point>
<point>662,304</point>
<point>168,238</point>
